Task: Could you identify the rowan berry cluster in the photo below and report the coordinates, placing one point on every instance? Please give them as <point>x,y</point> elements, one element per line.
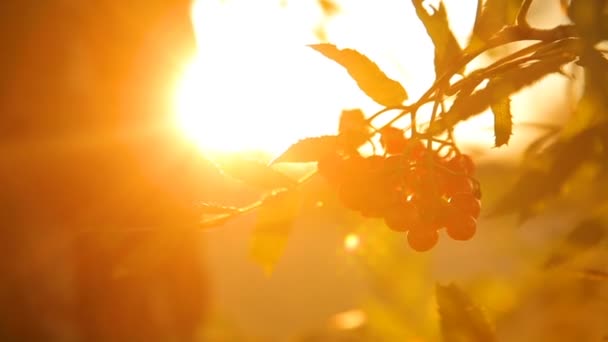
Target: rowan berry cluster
<point>412,187</point>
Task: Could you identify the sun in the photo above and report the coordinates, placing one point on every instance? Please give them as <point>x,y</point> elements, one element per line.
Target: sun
<point>255,85</point>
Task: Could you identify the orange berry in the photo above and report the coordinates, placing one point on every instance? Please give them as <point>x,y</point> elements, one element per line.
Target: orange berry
<point>461,227</point>
<point>401,218</point>
<point>462,163</point>
<point>466,203</point>
<point>422,241</point>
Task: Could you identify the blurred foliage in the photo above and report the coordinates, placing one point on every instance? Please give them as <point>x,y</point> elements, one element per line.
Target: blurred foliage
<point>99,238</point>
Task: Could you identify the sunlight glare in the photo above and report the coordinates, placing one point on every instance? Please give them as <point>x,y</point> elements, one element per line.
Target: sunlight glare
<point>352,242</point>
<point>255,85</point>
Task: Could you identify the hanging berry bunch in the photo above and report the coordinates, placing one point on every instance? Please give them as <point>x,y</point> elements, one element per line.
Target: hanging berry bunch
<point>417,189</point>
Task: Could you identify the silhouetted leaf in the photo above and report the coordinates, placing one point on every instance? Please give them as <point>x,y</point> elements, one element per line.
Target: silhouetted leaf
<point>255,173</point>
<point>447,49</point>
<point>309,150</point>
<point>508,83</point>
<point>503,121</point>
<point>583,237</point>
<point>273,225</point>
<point>460,318</point>
<point>493,16</point>
<point>367,74</point>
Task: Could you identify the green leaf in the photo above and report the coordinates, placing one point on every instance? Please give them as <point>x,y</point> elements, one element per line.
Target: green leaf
<point>447,49</point>
<point>273,226</point>
<point>583,237</point>
<point>255,173</point>
<point>309,150</point>
<point>370,79</point>
<point>460,319</point>
<point>503,121</point>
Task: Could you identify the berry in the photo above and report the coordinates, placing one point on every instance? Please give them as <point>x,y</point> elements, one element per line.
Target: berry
<point>352,196</point>
<point>422,241</point>
<point>416,150</point>
<point>458,184</point>
<point>466,203</point>
<point>461,227</point>
<point>393,140</point>
<point>462,163</point>
<point>331,167</point>
<point>401,218</point>
<point>374,164</point>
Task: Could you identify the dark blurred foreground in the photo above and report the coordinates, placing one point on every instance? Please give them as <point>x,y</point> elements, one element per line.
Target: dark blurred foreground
<point>96,187</point>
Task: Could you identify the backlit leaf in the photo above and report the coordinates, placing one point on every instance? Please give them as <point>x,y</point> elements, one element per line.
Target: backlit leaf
<point>255,173</point>
<point>309,150</point>
<point>447,49</point>
<point>491,17</point>
<point>503,121</point>
<point>460,319</point>
<point>370,79</point>
<point>273,225</point>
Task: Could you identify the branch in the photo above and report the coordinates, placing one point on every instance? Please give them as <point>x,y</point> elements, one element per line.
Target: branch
<point>222,219</point>
<point>521,20</point>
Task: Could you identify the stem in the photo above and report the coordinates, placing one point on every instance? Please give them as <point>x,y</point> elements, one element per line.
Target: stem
<point>507,35</point>
<point>477,74</point>
<point>429,144</point>
<point>222,219</point>
<point>384,110</point>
